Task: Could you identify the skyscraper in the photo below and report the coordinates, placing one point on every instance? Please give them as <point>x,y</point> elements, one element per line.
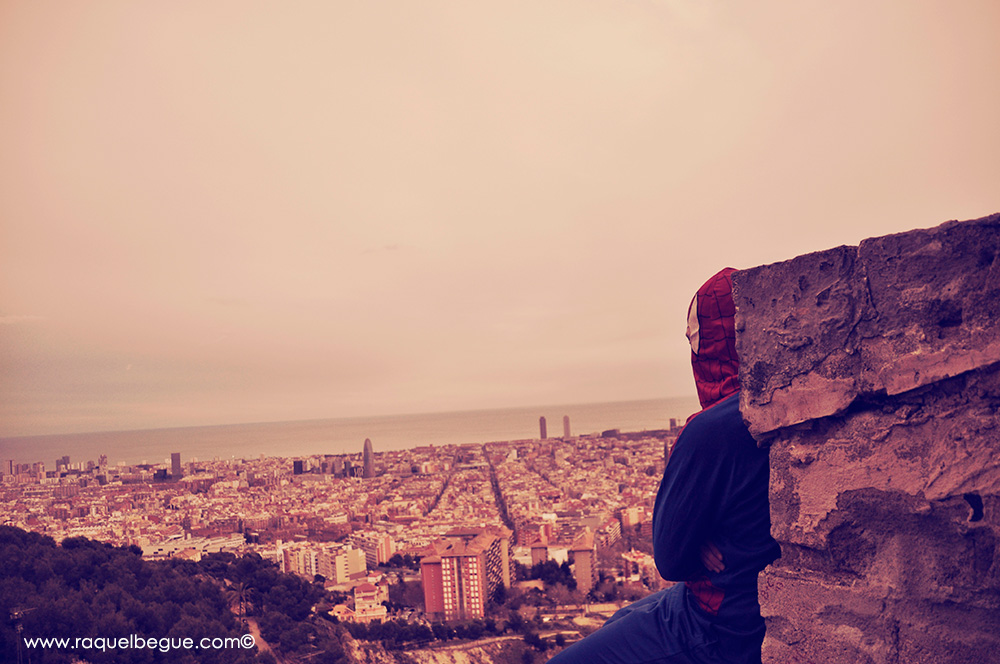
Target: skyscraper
<point>541,427</point>
<point>566,426</point>
<point>369,459</point>
<point>175,465</point>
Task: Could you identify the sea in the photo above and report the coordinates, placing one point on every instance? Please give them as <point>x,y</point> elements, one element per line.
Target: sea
<point>345,435</point>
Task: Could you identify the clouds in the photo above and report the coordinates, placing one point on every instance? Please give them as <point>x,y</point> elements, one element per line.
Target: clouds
<point>19,319</point>
<point>340,209</point>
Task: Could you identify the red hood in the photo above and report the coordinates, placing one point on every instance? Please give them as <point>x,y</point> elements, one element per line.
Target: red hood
<point>716,366</point>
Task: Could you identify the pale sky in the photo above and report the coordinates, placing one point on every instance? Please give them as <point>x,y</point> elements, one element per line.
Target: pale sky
<point>218,212</point>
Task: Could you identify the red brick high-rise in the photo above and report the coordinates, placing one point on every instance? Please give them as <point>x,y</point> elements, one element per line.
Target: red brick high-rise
<point>462,570</point>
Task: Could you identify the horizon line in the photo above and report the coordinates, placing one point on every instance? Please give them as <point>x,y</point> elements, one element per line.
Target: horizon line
<point>18,437</point>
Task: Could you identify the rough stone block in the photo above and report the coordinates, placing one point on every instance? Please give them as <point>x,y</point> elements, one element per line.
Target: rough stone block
<point>936,294</point>
<point>794,323</point>
<point>812,620</point>
<point>873,373</point>
<point>946,634</point>
<point>931,444</point>
<point>820,331</point>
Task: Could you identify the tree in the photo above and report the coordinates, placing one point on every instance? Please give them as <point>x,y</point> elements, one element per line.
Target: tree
<point>532,639</point>
<point>560,594</point>
<point>500,594</point>
<point>238,593</point>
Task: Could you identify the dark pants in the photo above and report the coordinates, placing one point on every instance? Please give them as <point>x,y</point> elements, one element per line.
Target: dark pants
<point>662,628</point>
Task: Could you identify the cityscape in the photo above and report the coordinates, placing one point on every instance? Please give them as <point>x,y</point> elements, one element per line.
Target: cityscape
<point>460,526</point>
<point>351,332</point>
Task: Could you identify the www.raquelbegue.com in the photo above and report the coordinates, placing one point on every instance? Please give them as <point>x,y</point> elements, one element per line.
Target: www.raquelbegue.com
<point>135,642</point>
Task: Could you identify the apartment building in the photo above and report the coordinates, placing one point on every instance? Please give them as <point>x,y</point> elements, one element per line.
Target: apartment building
<point>378,547</point>
<point>462,570</point>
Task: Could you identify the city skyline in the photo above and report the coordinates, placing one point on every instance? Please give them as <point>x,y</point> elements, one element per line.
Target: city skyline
<point>455,530</point>
<point>333,436</point>
<point>280,214</point>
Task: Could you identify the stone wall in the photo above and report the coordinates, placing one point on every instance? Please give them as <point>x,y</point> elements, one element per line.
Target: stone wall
<point>873,372</point>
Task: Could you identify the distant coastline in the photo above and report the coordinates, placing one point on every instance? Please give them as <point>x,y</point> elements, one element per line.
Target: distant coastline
<point>344,435</point>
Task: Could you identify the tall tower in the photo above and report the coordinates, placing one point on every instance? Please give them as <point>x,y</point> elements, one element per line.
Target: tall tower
<point>566,426</point>
<point>541,426</point>
<point>175,465</point>
<point>369,459</point>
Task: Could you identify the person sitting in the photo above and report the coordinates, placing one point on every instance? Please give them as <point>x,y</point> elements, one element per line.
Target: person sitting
<point>711,521</point>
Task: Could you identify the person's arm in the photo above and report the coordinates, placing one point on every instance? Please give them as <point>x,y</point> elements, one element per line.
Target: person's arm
<point>687,504</point>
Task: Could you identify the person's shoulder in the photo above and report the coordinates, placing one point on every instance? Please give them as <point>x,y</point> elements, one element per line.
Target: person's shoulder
<point>724,413</point>
<point>718,426</point>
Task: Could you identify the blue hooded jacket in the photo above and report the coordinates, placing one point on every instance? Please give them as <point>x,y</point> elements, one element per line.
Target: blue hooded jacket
<point>715,486</point>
